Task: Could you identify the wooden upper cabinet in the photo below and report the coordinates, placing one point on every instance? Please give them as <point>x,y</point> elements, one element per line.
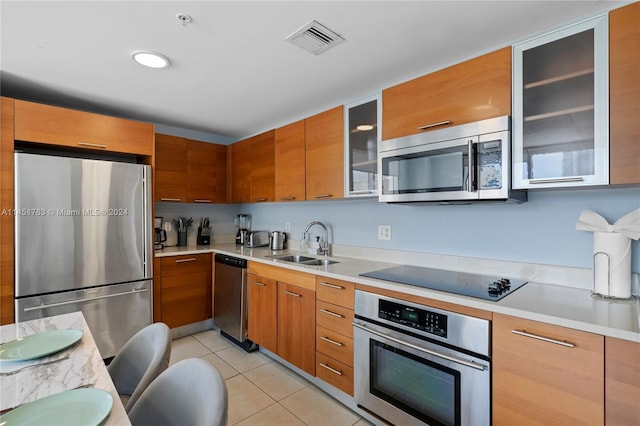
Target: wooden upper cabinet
<point>170,174</point>
<point>540,382</point>
<point>473,90</point>
<point>206,172</point>
<point>263,168</point>
<point>252,169</point>
<point>324,153</point>
<point>189,171</point>
<point>624,95</point>
<point>61,126</point>
<point>239,172</point>
<point>290,162</point>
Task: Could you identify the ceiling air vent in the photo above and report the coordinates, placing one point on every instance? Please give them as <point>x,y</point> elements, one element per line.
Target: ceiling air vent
<point>315,38</point>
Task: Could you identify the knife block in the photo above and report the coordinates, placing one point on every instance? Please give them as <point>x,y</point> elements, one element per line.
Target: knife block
<point>204,236</point>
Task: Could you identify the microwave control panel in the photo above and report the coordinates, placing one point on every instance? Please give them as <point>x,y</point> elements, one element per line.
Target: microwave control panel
<point>420,319</point>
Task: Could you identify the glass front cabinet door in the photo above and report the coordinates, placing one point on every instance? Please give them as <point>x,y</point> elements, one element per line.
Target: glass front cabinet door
<point>561,108</point>
<point>362,133</point>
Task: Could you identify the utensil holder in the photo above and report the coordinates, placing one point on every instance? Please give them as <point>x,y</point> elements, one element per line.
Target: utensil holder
<point>182,238</point>
<point>611,265</point>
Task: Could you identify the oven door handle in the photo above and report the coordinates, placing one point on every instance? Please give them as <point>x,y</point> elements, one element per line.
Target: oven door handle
<point>418,348</point>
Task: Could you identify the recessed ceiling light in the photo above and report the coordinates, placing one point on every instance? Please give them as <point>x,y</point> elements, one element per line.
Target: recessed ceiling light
<point>364,127</point>
<point>150,59</point>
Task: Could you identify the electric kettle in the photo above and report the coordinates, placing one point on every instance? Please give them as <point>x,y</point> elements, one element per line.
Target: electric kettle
<point>277,240</point>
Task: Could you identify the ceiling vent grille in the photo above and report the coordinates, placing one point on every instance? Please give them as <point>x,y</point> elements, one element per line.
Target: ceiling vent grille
<point>315,38</point>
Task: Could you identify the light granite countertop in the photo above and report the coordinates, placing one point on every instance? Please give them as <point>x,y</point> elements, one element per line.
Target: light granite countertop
<point>570,307</point>
<point>84,367</point>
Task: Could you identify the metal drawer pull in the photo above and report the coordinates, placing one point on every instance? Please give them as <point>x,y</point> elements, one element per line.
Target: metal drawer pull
<point>170,199</point>
<point>333,342</point>
<point>202,201</point>
<point>556,180</point>
<point>258,283</point>
<point>545,339</point>
<point>364,191</point>
<point>337,287</point>
<point>333,370</point>
<point>191,259</point>
<point>88,299</point>
<point>287,198</point>
<point>439,123</point>
<point>425,350</point>
<point>322,196</point>
<point>290,293</point>
<point>333,314</point>
<point>261,200</point>
<point>93,145</point>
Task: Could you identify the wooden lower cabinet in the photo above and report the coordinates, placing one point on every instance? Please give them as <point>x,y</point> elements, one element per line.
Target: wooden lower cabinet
<point>538,382</point>
<point>334,332</point>
<point>622,382</point>
<point>185,289</point>
<point>335,373</point>
<point>296,326</point>
<point>262,310</point>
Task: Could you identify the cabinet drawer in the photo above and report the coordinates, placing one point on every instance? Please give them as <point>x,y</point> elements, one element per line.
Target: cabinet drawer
<point>179,265</point>
<point>60,126</point>
<point>334,317</point>
<point>334,345</point>
<point>335,291</point>
<point>335,373</point>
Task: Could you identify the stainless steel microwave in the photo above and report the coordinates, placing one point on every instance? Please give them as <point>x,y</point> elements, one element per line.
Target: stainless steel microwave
<point>460,164</point>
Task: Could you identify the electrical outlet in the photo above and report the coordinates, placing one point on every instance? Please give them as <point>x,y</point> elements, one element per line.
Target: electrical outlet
<point>287,227</point>
<point>384,232</point>
<point>167,226</point>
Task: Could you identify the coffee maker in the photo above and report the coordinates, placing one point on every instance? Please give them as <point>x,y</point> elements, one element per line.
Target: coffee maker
<point>159,234</point>
<point>243,223</point>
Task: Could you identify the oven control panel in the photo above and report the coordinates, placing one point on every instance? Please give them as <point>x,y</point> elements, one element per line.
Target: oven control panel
<point>421,319</point>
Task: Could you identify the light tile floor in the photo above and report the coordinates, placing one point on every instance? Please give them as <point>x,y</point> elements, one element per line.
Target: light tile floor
<point>261,391</point>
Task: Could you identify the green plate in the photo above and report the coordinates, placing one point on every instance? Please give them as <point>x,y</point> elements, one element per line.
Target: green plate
<point>82,407</point>
<point>38,345</point>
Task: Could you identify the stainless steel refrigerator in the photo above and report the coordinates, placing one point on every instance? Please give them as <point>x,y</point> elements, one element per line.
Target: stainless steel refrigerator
<point>83,242</point>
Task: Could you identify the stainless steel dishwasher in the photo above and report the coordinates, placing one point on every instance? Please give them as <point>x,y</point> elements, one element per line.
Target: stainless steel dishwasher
<point>230,300</point>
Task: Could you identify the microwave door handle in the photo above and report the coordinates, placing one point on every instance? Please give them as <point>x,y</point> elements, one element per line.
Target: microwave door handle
<point>471,152</point>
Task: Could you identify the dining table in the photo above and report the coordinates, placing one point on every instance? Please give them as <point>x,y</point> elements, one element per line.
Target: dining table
<point>75,367</point>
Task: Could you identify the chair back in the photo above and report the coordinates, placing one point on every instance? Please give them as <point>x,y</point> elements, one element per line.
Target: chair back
<point>140,361</point>
<point>190,392</point>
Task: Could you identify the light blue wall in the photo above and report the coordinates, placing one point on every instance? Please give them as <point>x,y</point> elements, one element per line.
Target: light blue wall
<point>541,230</point>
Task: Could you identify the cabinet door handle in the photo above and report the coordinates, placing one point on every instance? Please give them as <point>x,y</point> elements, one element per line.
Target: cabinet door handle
<point>191,259</point>
<point>258,283</point>
<point>287,198</point>
<point>261,200</point>
<point>364,191</point>
<point>337,287</point>
<point>333,370</point>
<point>322,196</point>
<point>333,342</point>
<point>439,123</point>
<point>290,293</point>
<point>545,339</point>
<point>202,201</point>
<point>556,180</point>
<point>333,314</point>
<point>93,145</point>
<point>170,199</point>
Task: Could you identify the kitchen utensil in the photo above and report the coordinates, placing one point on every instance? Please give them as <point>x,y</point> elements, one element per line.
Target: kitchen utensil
<point>52,361</point>
<point>278,240</point>
<point>182,223</point>
<point>204,232</point>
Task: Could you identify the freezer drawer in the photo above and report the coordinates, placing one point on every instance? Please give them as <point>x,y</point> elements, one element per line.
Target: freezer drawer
<point>114,313</point>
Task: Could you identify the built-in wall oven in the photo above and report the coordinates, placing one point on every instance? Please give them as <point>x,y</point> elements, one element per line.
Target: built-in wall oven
<point>421,365</point>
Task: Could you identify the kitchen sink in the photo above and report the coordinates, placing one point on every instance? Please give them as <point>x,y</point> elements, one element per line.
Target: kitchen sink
<point>304,260</point>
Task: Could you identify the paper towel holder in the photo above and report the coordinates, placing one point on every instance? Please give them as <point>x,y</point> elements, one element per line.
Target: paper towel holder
<point>594,293</point>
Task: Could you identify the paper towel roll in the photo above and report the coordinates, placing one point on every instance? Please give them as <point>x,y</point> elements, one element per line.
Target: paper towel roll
<point>611,265</point>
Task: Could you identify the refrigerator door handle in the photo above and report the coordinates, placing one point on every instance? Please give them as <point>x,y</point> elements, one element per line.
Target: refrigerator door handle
<point>69,302</point>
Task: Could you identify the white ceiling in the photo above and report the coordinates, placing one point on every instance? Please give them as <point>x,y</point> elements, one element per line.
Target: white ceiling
<point>232,73</point>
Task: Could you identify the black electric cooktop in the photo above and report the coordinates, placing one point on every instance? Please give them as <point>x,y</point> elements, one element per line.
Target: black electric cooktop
<point>481,286</point>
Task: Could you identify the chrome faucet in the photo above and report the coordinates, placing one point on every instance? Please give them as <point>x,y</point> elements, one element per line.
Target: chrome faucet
<point>324,244</point>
